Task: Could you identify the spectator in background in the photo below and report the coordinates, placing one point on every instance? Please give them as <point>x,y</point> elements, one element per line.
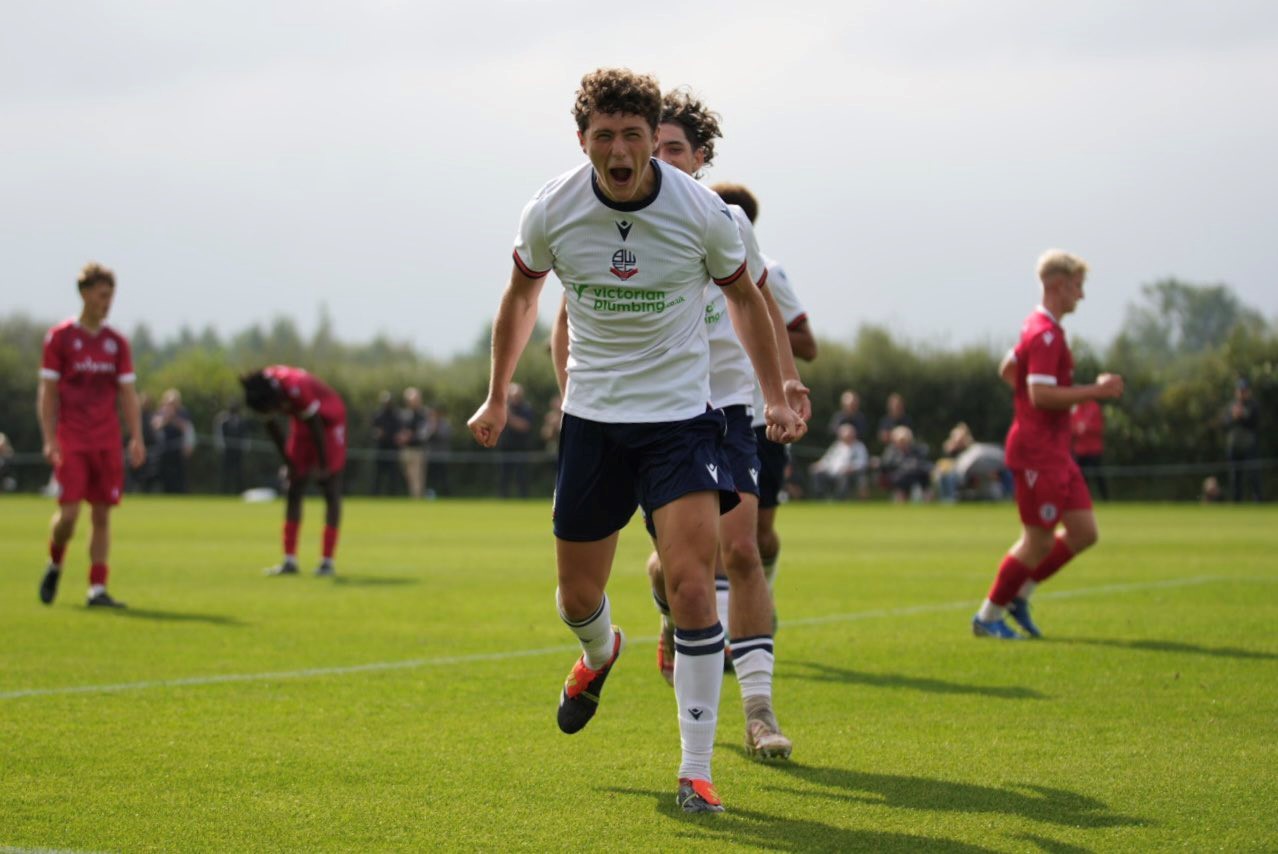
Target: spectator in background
<point>906,467</point>
<point>970,468</point>
<point>849,412</point>
<point>176,437</point>
<point>438,446</point>
<point>896,417</point>
<point>844,463</point>
<point>7,482</point>
<point>551,423</point>
<point>1211,491</point>
<point>230,437</point>
<point>413,431</point>
<point>385,430</point>
<point>514,442</point>
<point>1087,442</point>
<point>145,478</point>
<point>1242,442</point>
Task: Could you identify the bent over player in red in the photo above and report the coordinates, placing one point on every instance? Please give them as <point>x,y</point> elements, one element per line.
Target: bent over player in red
<point>1050,489</point>
<point>316,442</point>
<point>85,371</point>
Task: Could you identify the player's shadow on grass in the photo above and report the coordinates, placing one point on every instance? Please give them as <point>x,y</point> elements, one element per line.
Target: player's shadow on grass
<point>1038,803</point>
<point>1173,646</point>
<point>815,672</point>
<point>176,616</point>
<point>374,580</point>
<point>756,829</point>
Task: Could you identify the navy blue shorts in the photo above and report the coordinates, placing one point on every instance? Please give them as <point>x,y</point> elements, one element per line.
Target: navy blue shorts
<point>606,471</point>
<point>773,458</point>
<point>741,449</point>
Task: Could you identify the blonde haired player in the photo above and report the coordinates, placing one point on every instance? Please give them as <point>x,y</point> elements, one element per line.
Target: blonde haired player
<point>1051,493</point>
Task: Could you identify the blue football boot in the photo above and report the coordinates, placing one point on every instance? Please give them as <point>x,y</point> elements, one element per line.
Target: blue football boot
<point>1019,611</point>
<point>993,629</point>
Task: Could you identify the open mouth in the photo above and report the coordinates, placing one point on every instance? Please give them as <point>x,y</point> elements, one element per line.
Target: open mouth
<point>621,174</point>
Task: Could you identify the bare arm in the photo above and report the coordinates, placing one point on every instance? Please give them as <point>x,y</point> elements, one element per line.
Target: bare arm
<point>1007,369</point>
<point>513,326</point>
<point>802,341</point>
<point>559,346</point>
<point>47,410</point>
<point>132,409</point>
<point>1106,387</point>
<point>277,436</point>
<point>796,393</point>
<point>749,313</point>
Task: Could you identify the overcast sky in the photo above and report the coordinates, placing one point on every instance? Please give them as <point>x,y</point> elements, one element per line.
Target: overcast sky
<point>235,161</point>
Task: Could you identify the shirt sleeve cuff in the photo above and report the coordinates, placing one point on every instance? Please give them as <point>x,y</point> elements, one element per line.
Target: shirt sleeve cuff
<point>49,374</point>
<point>127,378</point>
<point>1040,379</point>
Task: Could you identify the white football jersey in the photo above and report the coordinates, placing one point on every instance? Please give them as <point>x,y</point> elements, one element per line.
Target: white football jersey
<point>792,312</point>
<point>634,275</point>
<point>732,378</point>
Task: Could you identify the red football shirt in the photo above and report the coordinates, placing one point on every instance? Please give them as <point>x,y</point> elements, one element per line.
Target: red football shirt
<point>1039,438</point>
<point>89,369</point>
<point>306,395</point>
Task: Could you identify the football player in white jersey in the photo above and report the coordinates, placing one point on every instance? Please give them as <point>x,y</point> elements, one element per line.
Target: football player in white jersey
<point>633,242</point>
<point>774,457</point>
<point>686,140</point>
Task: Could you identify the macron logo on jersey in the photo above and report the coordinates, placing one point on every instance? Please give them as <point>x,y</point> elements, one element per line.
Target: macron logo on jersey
<point>714,471</point>
<point>624,227</point>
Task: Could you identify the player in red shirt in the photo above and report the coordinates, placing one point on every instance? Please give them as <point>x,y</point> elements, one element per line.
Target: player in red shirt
<point>1087,426</point>
<point>316,442</point>
<point>1050,490</point>
<point>85,372</point>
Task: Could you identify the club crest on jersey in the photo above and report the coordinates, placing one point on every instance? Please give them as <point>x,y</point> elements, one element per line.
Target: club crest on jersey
<point>1047,512</point>
<point>624,264</point>
<point>110,346</point>
<point>624,227</point>
<point>77,344</point>
<point>1048,337</point>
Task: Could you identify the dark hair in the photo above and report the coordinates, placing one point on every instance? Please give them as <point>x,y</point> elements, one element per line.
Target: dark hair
<point>698,122</point>
<point>94,273</point>
<point>260,392</point>
<point>739,195</point>
<point>617,90</point>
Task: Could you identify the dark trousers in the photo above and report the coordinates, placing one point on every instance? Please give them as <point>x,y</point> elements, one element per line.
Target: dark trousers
<point>1090,465</point>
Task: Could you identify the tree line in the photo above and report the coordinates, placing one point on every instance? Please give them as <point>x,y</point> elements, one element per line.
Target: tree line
<point>1181,349</point>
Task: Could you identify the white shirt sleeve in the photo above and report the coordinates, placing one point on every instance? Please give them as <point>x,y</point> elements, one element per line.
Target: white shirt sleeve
<point>725,253</point>
<point>532,253</point>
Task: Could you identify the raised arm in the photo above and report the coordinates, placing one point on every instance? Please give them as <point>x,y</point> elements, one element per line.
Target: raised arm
<point>1106,387</point>
<point>513,326</point>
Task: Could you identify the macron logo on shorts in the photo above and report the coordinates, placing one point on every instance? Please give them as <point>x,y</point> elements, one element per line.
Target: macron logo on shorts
<point>714,471</point>
<point>754,475</point>
<point>1030,477</point>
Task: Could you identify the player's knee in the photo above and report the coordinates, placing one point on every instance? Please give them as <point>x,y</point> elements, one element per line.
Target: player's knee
<point>655,575</point>
<point>691,599</point>
<point>740,554</point>
<point>1083,538</point>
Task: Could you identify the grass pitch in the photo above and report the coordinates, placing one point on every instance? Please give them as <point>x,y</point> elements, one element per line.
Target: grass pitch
<point>409,704</point>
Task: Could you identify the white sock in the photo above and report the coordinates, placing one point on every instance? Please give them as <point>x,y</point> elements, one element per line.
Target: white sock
<point>1027,589</point>
<point>290,559</point>
<point>770,567</point>
<point>698,679</point>
<point>95,589</point>
<point>721,588</point>
<point>752,659</point>
<point>594,632</point>
<point>990,612</point>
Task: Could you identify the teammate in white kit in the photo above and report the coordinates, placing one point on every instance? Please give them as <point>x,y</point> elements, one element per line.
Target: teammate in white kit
<point>774,458</point>
<point>686,140</point>
<point>633,242</point>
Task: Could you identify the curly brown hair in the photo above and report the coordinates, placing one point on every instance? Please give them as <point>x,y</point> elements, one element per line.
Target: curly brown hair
<point>617,90</point>
<point>698,122</point>
<point>739,195</point>
<point>94,273</point>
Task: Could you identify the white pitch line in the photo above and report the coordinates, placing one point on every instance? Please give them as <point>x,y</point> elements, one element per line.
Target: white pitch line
<point>443,661</point>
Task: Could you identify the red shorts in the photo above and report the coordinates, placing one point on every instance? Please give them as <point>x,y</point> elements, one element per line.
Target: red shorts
<point>1044,495</point>
<point>94,476</point>
<point>304,456</point>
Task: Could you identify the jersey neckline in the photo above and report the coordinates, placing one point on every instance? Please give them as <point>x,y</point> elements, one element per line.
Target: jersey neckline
<point>628,207</point>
